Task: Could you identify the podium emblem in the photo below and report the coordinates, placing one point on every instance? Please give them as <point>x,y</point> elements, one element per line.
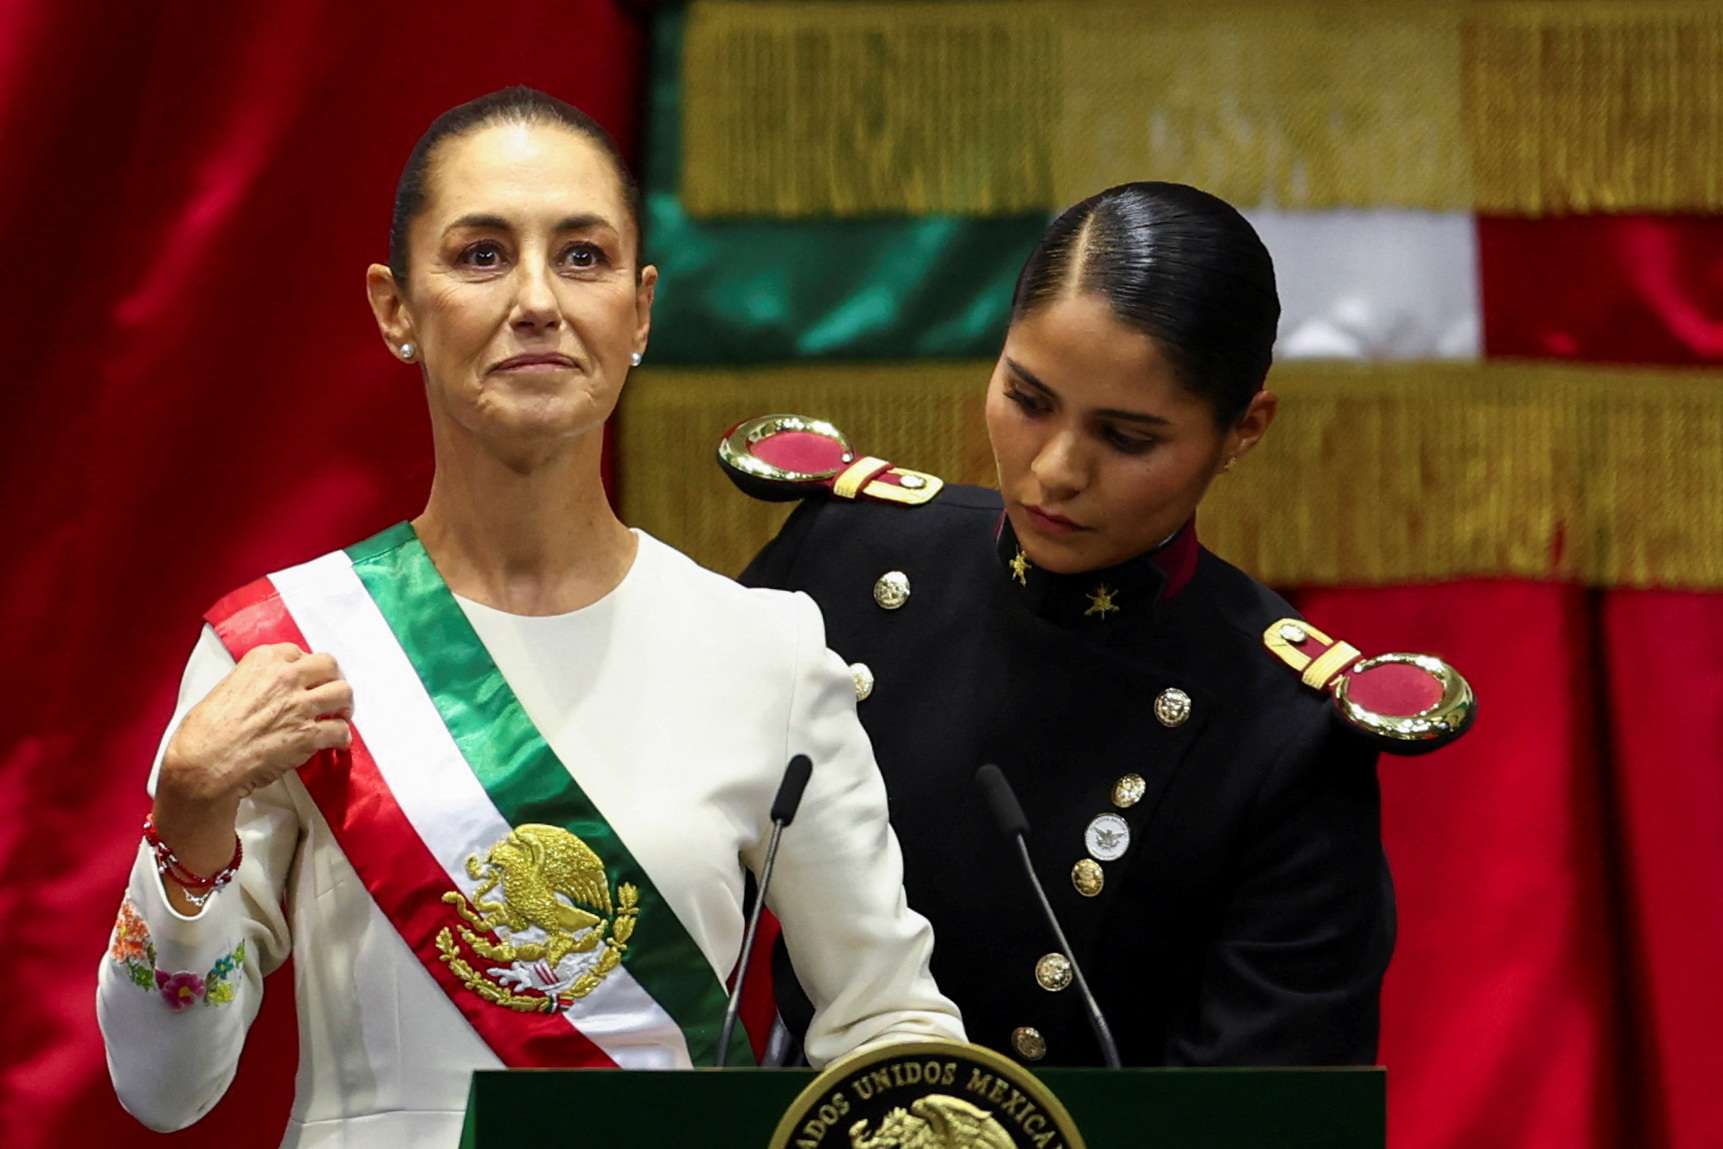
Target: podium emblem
<point>558,932</point>
<point>932,1095</point>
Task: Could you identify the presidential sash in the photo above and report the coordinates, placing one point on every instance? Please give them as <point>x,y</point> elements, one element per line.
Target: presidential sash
<point>471,835</point>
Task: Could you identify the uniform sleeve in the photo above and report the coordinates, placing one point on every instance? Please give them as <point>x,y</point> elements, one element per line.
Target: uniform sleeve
<point>775,565</point>
<point>1294,976</point>
<point>176,994</point>
<point>861,953</point>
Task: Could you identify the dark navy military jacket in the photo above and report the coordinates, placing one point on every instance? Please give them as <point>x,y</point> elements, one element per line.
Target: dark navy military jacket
<point>1248,917</point>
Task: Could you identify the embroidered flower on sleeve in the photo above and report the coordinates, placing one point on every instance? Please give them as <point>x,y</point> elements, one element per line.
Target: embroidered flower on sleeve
<point>179,990</point>
<point>131,941</point>
<point>219,983</point>
<point>134,951</point>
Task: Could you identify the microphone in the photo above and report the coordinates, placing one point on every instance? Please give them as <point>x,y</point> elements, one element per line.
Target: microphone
<point>784,806</point>
<point>783,813</point>
<point>1014,824</point>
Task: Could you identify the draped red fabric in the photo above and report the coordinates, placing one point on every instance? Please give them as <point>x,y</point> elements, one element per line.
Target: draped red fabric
<point>198,396</point>
<point>1500,1026</point>
<point>1649,290</point>
<point>1559,870</point>
<point>1664,659</point>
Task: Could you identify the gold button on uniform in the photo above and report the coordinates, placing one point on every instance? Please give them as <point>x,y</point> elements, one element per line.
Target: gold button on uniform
<point>862,676</point>
<point>1129,790</point>
<point>1053,972</point>
<point>1088,877</point>
<point>1172,705</point>
<point>891,590</point>
<point>1293,633</point>
<point>1028,1043</point>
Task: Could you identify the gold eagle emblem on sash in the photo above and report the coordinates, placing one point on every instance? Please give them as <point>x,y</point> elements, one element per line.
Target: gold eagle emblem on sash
<point>555,924</point>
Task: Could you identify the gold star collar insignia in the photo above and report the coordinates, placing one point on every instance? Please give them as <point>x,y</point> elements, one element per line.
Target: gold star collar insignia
<point>1101,602</point>
<point>1020,568</point>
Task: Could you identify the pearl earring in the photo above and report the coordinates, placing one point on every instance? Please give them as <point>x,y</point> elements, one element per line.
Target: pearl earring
<point>407,350</point>
<point>634,359</point>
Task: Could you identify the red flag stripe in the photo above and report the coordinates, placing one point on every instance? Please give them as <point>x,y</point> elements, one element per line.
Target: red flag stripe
<point>1603,288</point>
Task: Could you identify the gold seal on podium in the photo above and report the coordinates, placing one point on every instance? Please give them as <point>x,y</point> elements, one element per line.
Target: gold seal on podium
<point>926,1095</point>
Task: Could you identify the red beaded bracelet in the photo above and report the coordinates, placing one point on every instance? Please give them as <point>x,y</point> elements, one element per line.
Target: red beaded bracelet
<point>197,888</point>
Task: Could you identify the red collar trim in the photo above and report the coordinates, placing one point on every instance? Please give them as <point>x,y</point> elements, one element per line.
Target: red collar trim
<point>1178,559</point>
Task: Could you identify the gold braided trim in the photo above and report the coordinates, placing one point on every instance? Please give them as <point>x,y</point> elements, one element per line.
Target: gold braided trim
<point>1373,473</point>
<point>817,108</point>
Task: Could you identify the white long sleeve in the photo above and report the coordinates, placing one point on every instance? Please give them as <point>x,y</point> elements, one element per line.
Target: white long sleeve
<point>176,994</point>
<point>860,950</point>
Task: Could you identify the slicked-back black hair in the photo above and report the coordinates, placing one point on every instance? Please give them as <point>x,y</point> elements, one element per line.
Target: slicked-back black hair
<point>1178,264</point>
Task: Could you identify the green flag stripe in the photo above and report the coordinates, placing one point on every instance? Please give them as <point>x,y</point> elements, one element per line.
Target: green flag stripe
<point>745,291</point>
<point>525,779</point>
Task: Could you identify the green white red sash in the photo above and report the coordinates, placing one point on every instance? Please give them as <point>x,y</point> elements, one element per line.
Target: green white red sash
<point>448,785</point>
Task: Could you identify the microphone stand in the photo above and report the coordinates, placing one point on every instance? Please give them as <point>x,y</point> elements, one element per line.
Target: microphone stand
<point>1008,813</point>
<point>783,813</point>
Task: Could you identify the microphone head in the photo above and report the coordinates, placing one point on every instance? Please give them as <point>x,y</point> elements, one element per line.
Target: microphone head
<point>1001,801</point>
<point>790,789</point>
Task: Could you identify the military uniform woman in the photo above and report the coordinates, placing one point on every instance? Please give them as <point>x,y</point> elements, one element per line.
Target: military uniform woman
<point>1205,826</point>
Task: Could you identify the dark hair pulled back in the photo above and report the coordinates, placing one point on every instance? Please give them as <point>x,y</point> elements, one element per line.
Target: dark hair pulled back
<point>1178,264</point>
<point>515,105</point>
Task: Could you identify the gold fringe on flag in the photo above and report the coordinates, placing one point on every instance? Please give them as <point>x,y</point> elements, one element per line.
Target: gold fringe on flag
<point>1595,107</point>
<point>851,109</point>
<point>1372,474</point>
<point>803,108</point>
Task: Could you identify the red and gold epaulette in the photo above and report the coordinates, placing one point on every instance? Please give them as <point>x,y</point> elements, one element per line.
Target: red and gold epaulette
<point>783,457</point>
<point>1406,703</point>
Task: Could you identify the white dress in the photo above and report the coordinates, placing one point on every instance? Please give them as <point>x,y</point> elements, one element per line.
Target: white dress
<point>675,702</point>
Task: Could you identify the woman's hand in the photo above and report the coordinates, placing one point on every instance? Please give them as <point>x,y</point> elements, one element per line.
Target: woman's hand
<point>277,708</point>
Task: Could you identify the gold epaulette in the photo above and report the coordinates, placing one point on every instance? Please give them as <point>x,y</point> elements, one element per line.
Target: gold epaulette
<point>1406,703</point>
<point>783,457</point>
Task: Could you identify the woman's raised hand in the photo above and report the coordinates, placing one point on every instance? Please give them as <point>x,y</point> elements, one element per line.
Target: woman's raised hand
<point>273,711</point>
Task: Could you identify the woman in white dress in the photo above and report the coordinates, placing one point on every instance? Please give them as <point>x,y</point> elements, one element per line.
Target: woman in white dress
<point>492,777</point>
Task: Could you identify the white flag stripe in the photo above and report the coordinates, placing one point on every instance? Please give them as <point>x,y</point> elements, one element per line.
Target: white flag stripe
<point>436,788</point>
<point>1374,284</point>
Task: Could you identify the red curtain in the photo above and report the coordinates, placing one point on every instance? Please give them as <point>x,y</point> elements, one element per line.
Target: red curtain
<point>1665,676</point>
<point>1500,1022</point>
<point>1559,870</point>
<point>197,394</point>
